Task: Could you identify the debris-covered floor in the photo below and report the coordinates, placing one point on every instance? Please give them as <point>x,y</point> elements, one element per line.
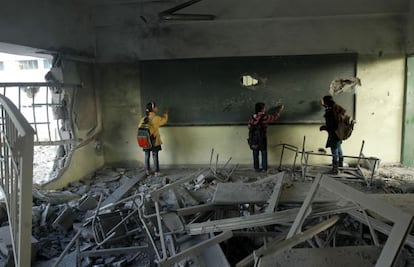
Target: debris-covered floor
<point>227,216</point>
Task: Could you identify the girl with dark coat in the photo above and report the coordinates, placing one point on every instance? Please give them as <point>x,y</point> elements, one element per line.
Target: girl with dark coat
<point>332,113</point>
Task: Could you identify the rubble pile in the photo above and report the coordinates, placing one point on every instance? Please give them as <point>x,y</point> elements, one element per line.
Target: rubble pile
<point>218,216</point>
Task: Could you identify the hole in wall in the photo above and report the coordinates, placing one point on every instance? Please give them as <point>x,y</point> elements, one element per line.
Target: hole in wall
<point>252,81</point>
<point>23,80</point>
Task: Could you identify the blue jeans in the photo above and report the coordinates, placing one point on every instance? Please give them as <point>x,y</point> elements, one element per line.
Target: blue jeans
<point>336,152</point>
<point>256,159</point>
<point>154,158</point>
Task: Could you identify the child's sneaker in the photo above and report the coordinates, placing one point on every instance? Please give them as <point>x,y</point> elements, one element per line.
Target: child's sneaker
<point>148,172</point>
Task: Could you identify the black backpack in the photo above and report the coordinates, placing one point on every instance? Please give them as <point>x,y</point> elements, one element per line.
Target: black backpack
<point>256,137</point>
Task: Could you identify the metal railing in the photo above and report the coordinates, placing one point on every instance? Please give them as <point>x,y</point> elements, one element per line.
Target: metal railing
<point>36,100</point>
<point>16,177</point>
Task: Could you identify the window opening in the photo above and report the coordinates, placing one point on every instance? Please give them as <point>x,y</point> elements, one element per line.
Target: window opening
<point>47,64</point>
<point>44,105</point>
<point>28,64</point>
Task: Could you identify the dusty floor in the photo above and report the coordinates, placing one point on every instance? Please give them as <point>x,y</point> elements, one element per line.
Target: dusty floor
<point>54,235</point>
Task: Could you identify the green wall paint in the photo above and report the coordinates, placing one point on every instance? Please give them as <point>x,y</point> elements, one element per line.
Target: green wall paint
<point>379,116</point>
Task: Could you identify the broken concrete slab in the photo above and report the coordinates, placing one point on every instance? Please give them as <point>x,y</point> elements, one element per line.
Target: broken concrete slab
<point>294,192</point>
<point>173,222</point>
<point>6,240</point>
<point>402,221</point>
<point>54,197</point>
<point>378,225</point>
<point>157,193</point>
<point>356,256</point>
<point>212,256</point>
<point>189,210</point>
<point>405,202</point>
<point>196,249</point>
<point>127,184</point>
<point>277,247</point>
<point>65,219</point>
<point>67,261</point>
<point>87,202</point>
<point>231,193</point>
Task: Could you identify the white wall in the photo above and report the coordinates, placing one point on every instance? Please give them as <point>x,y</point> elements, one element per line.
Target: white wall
<point>380,106</point>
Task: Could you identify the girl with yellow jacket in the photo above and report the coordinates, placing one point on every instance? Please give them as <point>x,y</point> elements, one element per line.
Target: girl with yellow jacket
<point>155,122</point>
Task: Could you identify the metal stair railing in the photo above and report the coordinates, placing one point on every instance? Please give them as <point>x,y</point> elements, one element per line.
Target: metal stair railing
<point>16,177</point>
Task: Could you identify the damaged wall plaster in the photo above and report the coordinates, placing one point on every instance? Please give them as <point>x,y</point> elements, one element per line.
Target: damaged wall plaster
<point>81,159</point>
<point>378,99</point>
<point>192,145</point>
<point>119,89</point>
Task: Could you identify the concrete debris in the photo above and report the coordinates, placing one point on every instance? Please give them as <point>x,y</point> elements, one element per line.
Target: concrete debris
<point>219,216</point>
<point>324,257</point>
<point>87,202</point>
<point>65,219</point>
<point>343,85</point>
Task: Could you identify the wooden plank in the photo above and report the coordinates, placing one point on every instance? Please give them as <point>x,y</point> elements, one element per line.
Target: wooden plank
<point>274,198</point>
<point>306,208</point>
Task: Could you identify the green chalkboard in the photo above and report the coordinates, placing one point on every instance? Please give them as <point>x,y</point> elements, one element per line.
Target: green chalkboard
<point>210,92</point>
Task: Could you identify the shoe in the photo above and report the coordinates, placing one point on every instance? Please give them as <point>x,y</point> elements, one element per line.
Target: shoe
<point>158,174</point>
<point>257,170</point>
<point>148,172</point>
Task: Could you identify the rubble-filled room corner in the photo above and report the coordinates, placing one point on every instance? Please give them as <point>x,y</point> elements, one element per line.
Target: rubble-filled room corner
<point>227,215</point>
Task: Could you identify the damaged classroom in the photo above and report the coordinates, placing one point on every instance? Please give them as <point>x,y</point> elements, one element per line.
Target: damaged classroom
<point>208,62</point>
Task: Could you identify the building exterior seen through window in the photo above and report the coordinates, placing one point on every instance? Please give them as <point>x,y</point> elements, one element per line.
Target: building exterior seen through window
<point>19,79</point>
<point>28,64</point>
